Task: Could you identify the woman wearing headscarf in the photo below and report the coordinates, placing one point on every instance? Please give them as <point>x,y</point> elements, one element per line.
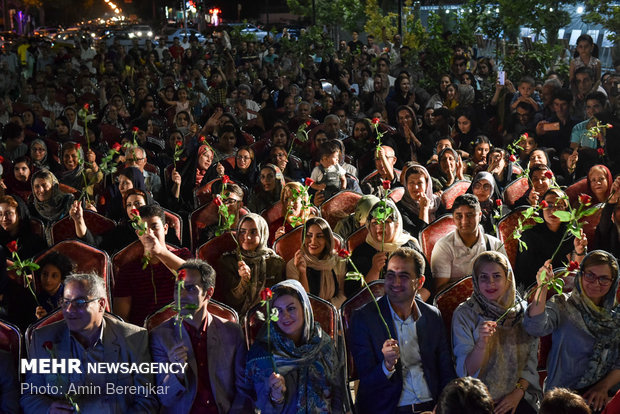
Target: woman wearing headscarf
<point>383,238</point>
<point>15,226</point>
<point>450,169</point>
<point>79,172</point>
<point>244,272</point>
<point>268,190</point>
<point>408,143</point>
<point>245,170</point>
<point>197,171</point>
<point>111,117</point>
<point>111,205</point>
<point>599,181</point>
<point>584,324</point>
<point>419,205</point>
<point>49,204</point>
<point>309,376</point>
<point>489,341</point>
<point>317,266</point>
<point>484,188</point>
<point>40,157</point>
<point>500,166</point>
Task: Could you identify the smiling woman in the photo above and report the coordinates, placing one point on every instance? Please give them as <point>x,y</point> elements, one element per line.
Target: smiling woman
<point>310,377</point>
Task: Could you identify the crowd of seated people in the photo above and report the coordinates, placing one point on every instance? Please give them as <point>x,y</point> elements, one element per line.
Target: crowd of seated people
<point>252,144</point>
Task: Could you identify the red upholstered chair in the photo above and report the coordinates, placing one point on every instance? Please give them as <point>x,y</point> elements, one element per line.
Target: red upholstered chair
<point>505,228</point>
<point>357,238</point>
<point>339,206</point>
<point>202,217</point>
<point>86,258</point>
<point>375,172</point>
<point>352,304</point>
<point>110,134</point>
<point>175,223</point>
<point>576,188</point>
<point>324,313</point>
<point>132,252</point>
<point>211,251</point>
<point>450,298</point>
<point>451,193</point>
<point>435,231</point>
<point>64,228</point>
<point>515,191</point>
<point>55,316</point>
<point>160,316</point>
<point>37,227</point>
<point>11,341</point>
<point>202,195</point>
<point>273,213</point>
<point>397,194</point>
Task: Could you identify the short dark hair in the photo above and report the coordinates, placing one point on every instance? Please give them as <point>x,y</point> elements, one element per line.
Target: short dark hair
<point>597,96</point>
<point>207,273</point>
<point>527,106</point>
<point>328,148</point>
<point>468,200</point>
<point>149,211</point>
<point>563,94</point>
<point>527,79</point>
<point>587,71</point>
<point>467,392</point>
<point>62,262</point>
<point>407,253</point>
<point>561,400</point>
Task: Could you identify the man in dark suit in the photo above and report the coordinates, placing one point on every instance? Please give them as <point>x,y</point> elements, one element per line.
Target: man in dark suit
<point>212,346</point>
<point>87,334</point>
<point>404,374</point>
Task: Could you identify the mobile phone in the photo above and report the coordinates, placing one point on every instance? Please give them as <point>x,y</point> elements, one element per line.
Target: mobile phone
<point>501,76</point>
<point>553,126</point>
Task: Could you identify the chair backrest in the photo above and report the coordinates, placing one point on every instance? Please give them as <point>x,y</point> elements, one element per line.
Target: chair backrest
<point>515,190</point>
<point>202,195</point>
<point>358,237</point>
<point>64,228</point>
<point>11,341</point>
<point>200,218</point>
<point>87,259</point>
<point>505,229</point>
<point>175,223</point>
<point>273,213</point>
<point>37,227</point>
<point>347,309</point>
<point>324,313</point>
<point>211,251</point>
<point>110,133</point>
<point>576,188</point>
<point>128,254</point>
<point>339,206</point>
<point>451,193</point>
<point>435,231</point>
<point>451,297</point>
<point>397,194</point>
<point>162,315</point>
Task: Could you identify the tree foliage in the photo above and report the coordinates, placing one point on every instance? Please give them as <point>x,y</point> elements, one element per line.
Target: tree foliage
<point>345,13</point>
<point>605,14</point>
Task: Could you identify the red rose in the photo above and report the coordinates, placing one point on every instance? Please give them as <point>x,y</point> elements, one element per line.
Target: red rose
<point>344,253</point>
<point>585,199</point>
<point>572,265</point>
<point>48,345</point>
<point>1,159</point>
<point>135,212</point>
<point>135,129</point>
<point>601,151</point>
<point>266,294</point>
<point>78,146</point>
<point>609,126</point>
<point>189,84</point>
<point>525,135</point>
<point>87,106</point>
<point>498,202</point>
<point>544,204</point>
<point>181,275</point>
<point>549,174</point>
<point>308,182</point>
<point>178,143</point>
<point>116,147</point>
<point>202,139</point>
<point>375,121</point>
<point>225,179</point>
<point>308,123</point>
<point>12,246</point>
<point>512,158</point>
<point>386,184</point>
<point>218,200</point>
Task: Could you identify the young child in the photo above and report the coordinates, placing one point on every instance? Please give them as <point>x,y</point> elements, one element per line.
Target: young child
<point>527,93</point>
<point>585,56</point>
<point>329,176</point>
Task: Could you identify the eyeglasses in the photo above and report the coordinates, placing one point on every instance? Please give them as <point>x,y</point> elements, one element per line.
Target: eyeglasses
<point>486,187</point>
<point>602,280</point>
<point>77,303</point>
<point>243,158</point>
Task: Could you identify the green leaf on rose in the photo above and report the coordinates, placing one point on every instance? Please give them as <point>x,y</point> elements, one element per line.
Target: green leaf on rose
<point>564,216</point>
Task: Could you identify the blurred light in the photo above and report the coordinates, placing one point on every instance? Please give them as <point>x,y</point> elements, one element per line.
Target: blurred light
<point>139,34</point>
<point>150,34</point>
<point>497,10</point>
<point>550,9</point>
<point>580,9</point>
<point>447,11</point>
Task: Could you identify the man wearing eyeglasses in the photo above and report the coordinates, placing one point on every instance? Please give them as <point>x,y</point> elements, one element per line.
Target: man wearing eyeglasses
<point>402,372</point>
<point>90,336</point>
<point>213,347</point>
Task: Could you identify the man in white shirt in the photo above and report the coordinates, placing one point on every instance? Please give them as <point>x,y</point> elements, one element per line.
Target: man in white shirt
<point>454,254</point>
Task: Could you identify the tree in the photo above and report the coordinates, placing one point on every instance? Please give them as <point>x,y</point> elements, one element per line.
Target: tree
<point>345,13</point>
<point>605,14</point>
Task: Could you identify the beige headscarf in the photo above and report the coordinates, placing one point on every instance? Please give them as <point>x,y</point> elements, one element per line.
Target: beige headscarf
<point>400,237</point>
